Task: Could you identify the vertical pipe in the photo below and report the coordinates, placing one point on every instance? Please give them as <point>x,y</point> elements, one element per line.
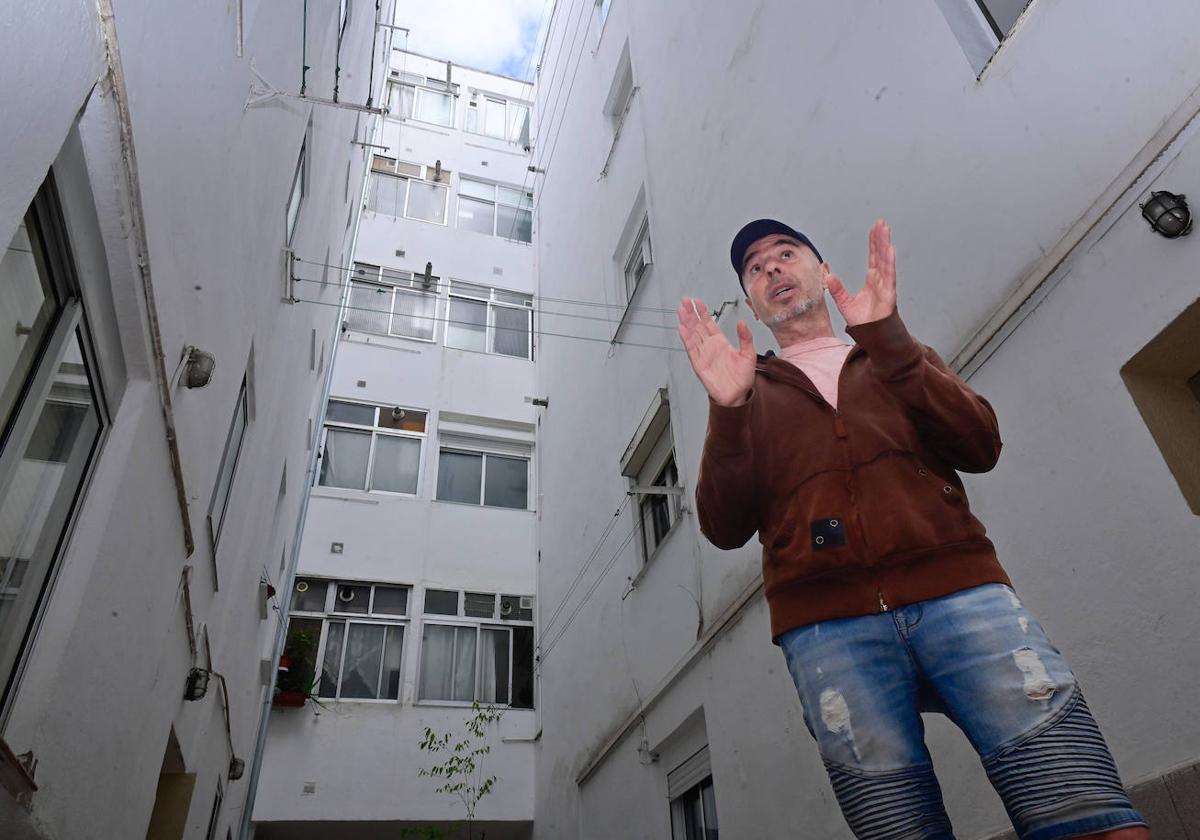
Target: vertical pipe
<point>245,824</point>
<point>304,51</point>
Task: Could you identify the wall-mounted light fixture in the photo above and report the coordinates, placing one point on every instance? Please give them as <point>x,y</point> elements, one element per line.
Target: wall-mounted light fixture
<point>196,367</point>
<point>237,767</point>
<point>1168,214</point>
<point>197,684</point>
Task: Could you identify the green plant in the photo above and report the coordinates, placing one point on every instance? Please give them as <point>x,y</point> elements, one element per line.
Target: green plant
<point>301,649</point>
<point>461,771</point>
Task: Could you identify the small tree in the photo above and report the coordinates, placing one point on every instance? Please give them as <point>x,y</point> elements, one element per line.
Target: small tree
<point>462,769</point>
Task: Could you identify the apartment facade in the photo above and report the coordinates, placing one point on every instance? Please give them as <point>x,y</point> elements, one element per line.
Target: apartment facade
<point>414,596</point>
<point>159,388</point>
<point>1010,146</point>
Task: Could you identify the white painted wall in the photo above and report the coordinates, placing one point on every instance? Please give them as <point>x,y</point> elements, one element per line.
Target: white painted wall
<point>105,678</point>
<point>828,116</point>
<point>363,757</point>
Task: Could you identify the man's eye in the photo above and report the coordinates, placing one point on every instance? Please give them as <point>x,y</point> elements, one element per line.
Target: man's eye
<point>753,269</point>
<point>787,255</point>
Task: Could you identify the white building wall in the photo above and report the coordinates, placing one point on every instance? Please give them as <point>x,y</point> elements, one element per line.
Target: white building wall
<point>829,116</point>
<point>362,758</point>
<point>103,685</point>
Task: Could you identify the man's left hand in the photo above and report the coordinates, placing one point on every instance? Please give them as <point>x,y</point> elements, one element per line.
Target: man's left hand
<point>876,300</point>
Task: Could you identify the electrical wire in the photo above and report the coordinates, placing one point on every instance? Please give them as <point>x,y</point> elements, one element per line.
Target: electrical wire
<point>546,650</point>
<point>587,564</point>
<point>543,162</point>
<point>538,310</point>
<point>374,43</point>
<point>537,332</point>
<point>552,94</point>
<point>533,168</point>
<point>440,285</point>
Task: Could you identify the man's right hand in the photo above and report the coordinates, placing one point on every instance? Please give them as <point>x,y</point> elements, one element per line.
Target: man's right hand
<point>727,374</point>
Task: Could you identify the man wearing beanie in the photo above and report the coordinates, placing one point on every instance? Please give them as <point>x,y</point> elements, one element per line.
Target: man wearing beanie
<point>885,594</point>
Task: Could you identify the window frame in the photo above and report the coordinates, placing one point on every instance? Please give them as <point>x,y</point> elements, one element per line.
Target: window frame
<point>419,84</point>
<point>241,409</point>
<point>639,260</point>
<point>990,17</point>
<point>385,277</point>
<point>977,32</point>
<point>376,431</point>
<point>460,619</point>
<point>646,457</point>
<point>214,816</point>
<point>464,448</point>
<point>427,175</point>
<point>68,323</point>
<point>462,290</point>
<point>477,96</point>
<point>299,179</point>
<point>647,504</point>
<point>330,614</point>
<point>679,809</point>
<point>497,202</point>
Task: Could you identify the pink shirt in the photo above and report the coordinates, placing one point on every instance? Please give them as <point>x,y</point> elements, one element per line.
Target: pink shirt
<point>821,361</point>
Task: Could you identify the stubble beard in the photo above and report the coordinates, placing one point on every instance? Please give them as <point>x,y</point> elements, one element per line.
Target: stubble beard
<point>795,309</point>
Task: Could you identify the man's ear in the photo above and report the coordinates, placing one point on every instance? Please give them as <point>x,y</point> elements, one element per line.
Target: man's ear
<point>751,308</point>
<point>825,272</point>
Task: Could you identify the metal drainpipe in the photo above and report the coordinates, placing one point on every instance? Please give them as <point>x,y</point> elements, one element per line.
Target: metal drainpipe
<point>120,94</point>
<point>304,51</point>
<point>260,742</point>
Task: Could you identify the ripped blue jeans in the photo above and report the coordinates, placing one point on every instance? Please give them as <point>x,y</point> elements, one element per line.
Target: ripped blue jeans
<point>979,657</point>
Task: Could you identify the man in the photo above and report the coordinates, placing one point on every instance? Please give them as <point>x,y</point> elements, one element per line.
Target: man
<point>885,595</point>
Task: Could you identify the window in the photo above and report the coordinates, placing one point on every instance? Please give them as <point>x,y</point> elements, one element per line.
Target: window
<point>51,419</point>
<point>219,505</point>
<point>496,116</point>
<point>375,448</point>
<point>1002,15</point>
<point>421,98</point>
<point>639,259</point>
<point>649,464</point>
<point>694,813</point>
<point>981,26</point>
<point>408,190</point>
<point>490,320</point>
<point>357,630</point>
<point>1164,380</point>
<point>495,210</point>
<point>478,662</point>
<point>298,191</point>
<point>620,90</point>
<point>214,816</point>
<point>392,302</point>
<point>483,478</point>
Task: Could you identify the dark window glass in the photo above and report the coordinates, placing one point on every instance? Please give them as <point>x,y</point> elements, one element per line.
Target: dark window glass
<point>522,668</point>
<point>309,595</point>
<point>441,602</point>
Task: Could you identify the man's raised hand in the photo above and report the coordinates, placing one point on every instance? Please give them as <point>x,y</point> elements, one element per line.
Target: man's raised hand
<point>727,374</point>
<point>876,300</point>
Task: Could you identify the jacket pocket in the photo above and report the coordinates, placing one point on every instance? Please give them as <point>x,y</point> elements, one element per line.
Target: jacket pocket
<point>810,531</point>
<point>906,506</point>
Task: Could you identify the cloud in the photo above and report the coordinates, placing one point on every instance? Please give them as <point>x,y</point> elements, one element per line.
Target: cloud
<point>494,35</point>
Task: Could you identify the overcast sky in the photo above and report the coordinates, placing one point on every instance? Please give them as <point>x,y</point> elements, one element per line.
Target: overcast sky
<point>495,35</point>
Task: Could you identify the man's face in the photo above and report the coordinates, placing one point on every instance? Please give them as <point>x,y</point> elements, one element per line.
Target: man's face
<point>782,279</point>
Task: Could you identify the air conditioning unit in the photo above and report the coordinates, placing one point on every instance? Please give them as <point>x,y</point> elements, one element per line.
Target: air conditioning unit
<point>516,607</point>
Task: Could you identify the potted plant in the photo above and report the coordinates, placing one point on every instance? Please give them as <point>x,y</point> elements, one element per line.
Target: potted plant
<point>297,670</point>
